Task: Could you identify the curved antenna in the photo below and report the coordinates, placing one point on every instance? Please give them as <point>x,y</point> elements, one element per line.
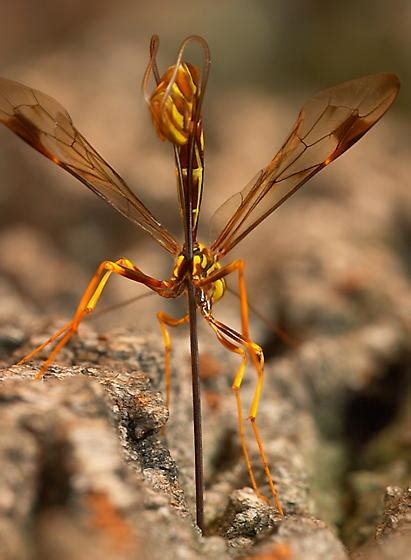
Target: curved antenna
<point>154,46</point>
<point>151,67</point>
<point>204,75</point>
<point>194,126</point>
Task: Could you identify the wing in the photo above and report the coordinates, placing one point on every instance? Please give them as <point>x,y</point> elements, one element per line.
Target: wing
<point>44,124</point>
<point>327,125</point>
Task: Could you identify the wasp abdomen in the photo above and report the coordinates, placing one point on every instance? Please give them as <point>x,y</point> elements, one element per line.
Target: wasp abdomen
<point>173,103</point>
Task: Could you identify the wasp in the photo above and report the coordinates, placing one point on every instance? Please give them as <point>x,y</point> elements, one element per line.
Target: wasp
<point>327,125</point>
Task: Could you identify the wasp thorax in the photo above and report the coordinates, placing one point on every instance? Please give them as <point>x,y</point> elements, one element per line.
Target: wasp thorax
<point>173,103</point>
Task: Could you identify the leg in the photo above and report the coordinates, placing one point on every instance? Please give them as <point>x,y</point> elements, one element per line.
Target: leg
<point>240,420</point>
<point>242,344</point>
<point>123,267</point>
<point>239,265</point>
<point>167,321</point>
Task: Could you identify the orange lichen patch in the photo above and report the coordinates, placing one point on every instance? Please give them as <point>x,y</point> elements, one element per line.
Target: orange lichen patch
<point>280,551</point>
<point>143,400</point>
<point>210,368</point>
<point>352,284</point>
<point>105,517</point>
<point>213,400</point>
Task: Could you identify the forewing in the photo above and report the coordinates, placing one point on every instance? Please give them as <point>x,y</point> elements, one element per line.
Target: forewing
<point>44,124</point>
<point>327,125</point>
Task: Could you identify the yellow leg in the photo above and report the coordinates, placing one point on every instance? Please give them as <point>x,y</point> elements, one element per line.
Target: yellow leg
<point>89,300</point>
<point>240,420</point>
<point>242,344</point>
<point>167,321</point>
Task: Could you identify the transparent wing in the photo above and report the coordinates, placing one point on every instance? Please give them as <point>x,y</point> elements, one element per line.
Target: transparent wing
<point>44,124</point>
<point>327,125</point>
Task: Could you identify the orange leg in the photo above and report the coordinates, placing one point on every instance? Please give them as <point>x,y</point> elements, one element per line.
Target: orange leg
<point>167,321</point>
<point>240,420</point>
<point>88,302</point>
<point>243,345</point>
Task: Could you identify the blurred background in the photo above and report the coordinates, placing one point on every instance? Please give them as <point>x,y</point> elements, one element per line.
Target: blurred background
<point>331,267</point>
<point>267,58</point>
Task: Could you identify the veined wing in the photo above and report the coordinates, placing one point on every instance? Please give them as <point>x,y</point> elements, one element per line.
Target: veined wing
<point>44,124</point>
<point>327,125</point>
